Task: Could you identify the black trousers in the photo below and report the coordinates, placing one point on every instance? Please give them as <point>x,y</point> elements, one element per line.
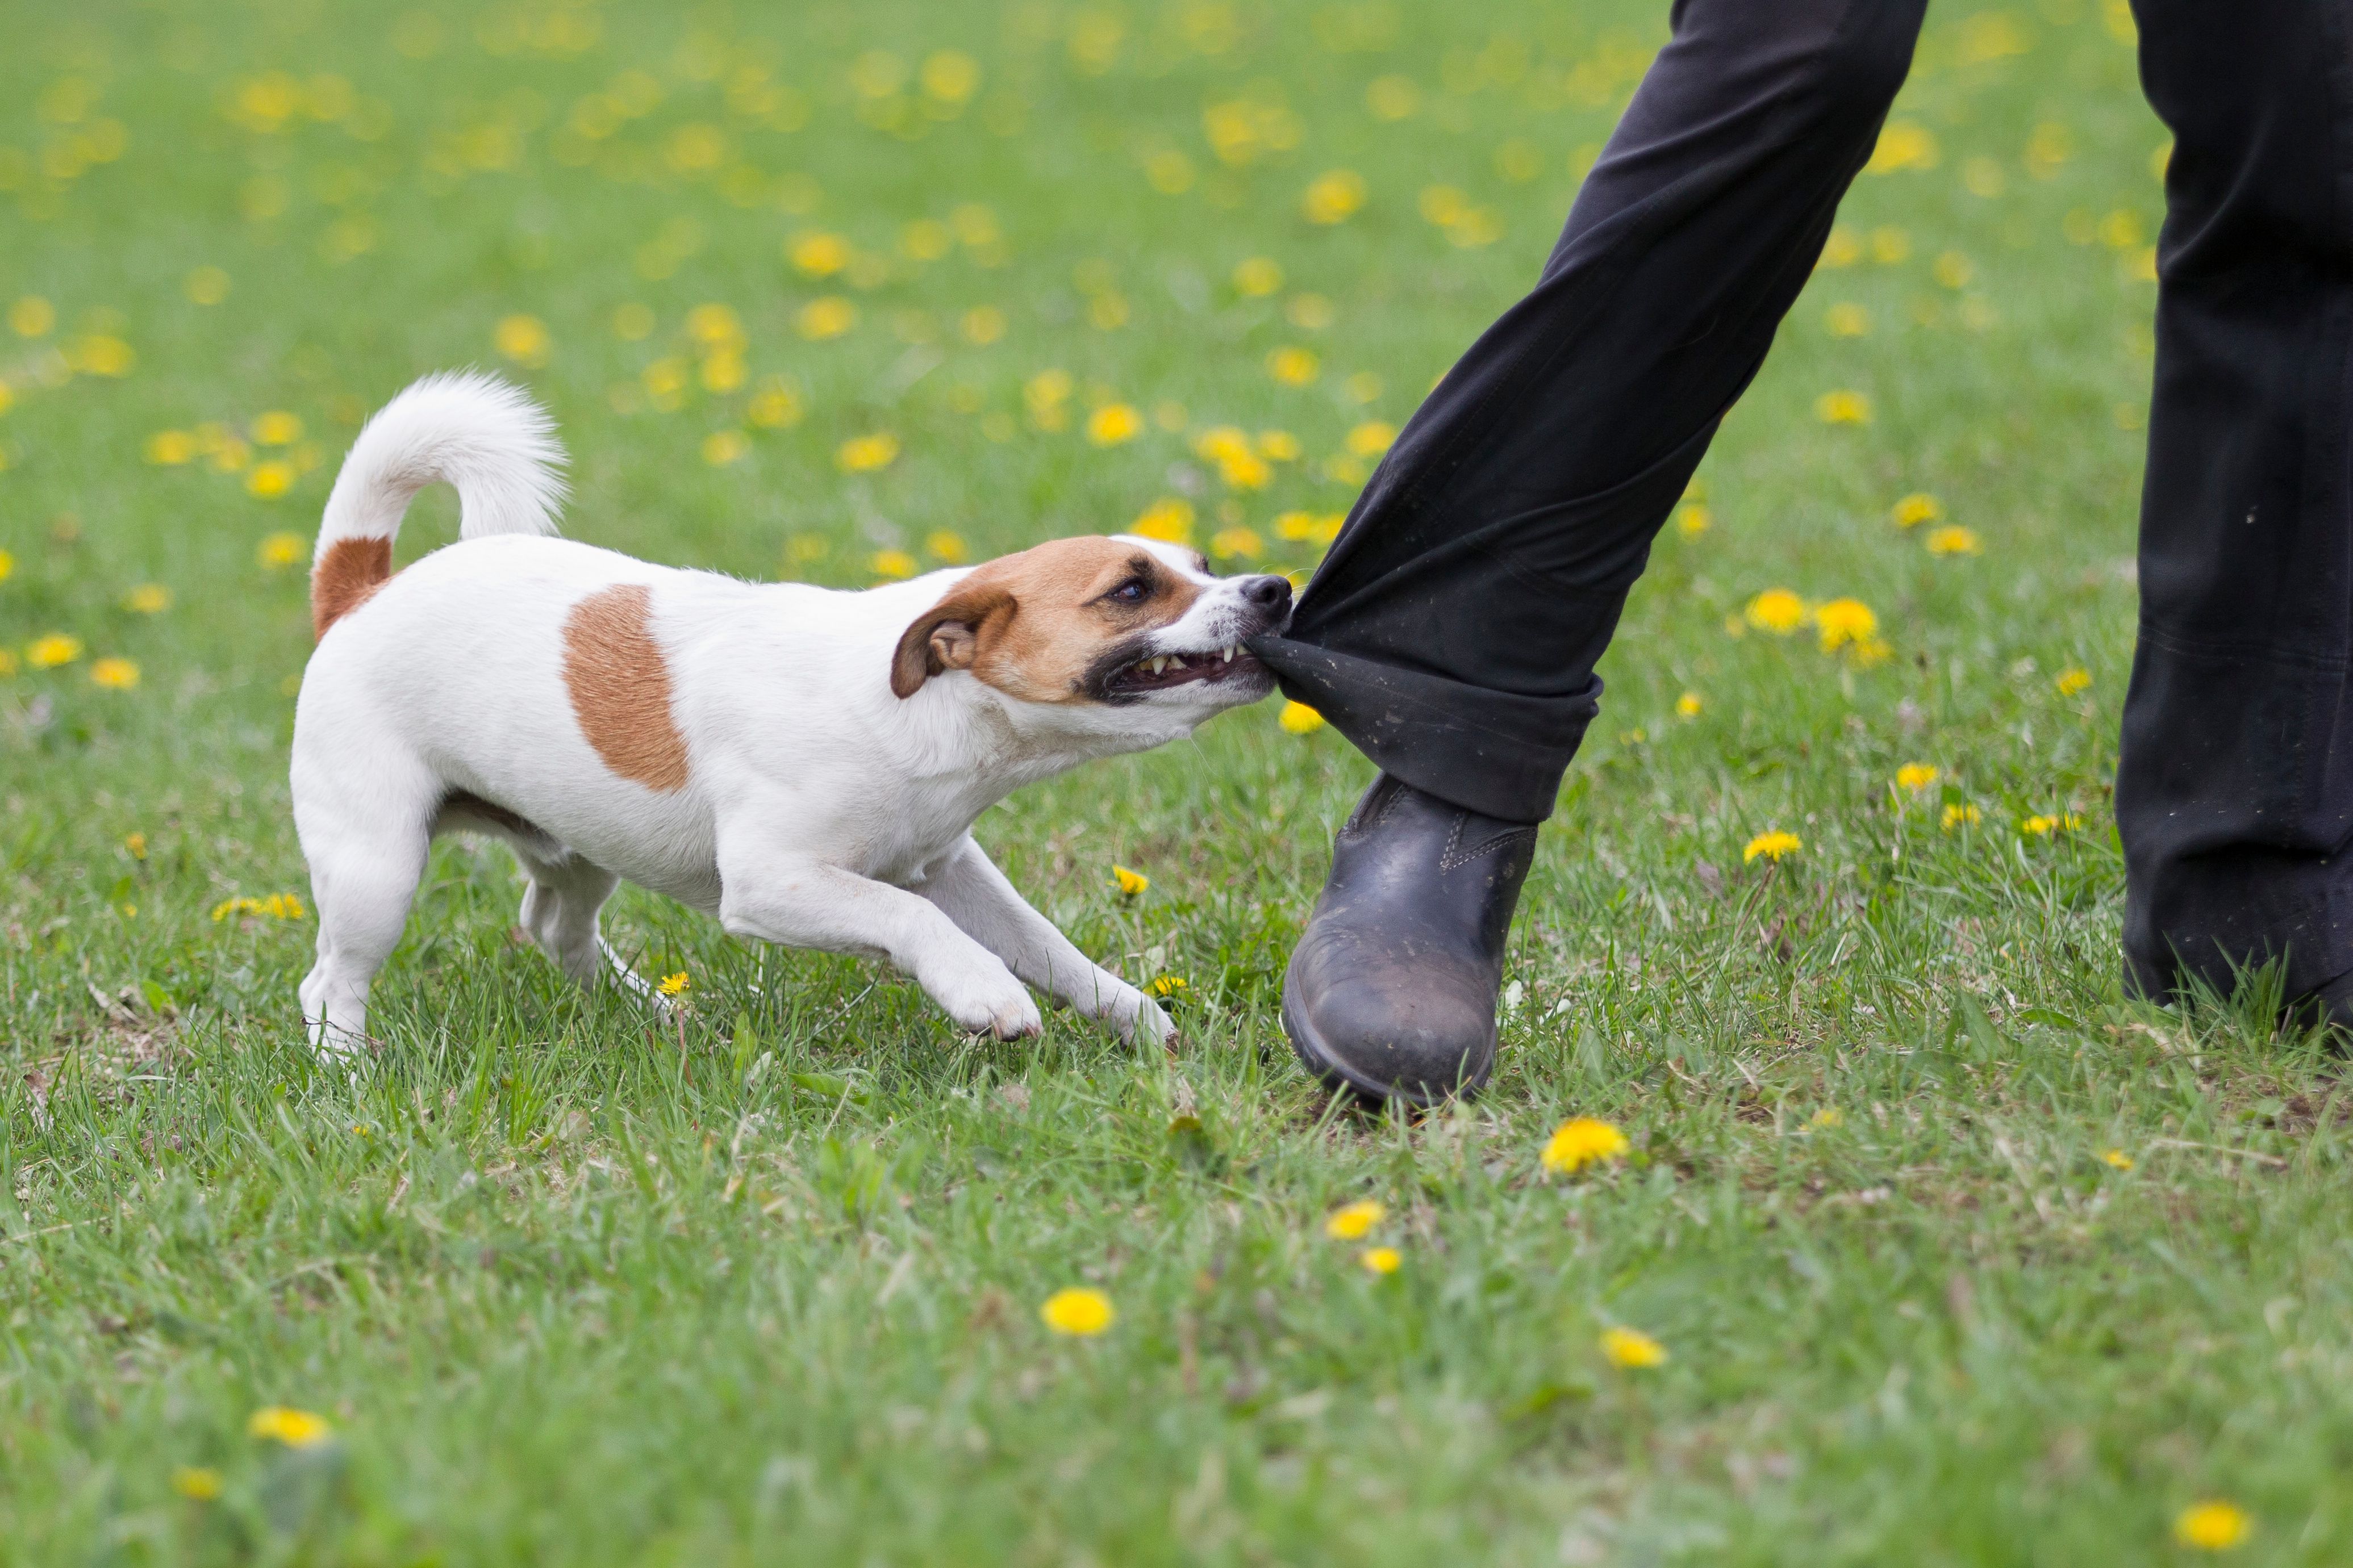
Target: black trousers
<point>1453,630</point>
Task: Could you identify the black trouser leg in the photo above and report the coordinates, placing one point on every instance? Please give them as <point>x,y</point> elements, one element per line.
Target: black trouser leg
<point>1453,630</point>
<point>2235,792</point>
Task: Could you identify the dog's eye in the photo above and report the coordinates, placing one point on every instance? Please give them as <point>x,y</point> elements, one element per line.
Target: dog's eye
<point>1135,591</point>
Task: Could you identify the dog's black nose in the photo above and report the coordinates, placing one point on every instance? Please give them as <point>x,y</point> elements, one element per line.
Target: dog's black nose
<point>1271,594</point>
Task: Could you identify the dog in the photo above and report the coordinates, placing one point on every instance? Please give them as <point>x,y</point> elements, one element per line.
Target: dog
<point>805,763</point>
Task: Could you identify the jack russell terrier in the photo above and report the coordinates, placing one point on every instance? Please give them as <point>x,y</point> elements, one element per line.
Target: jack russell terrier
<point>804,763</point>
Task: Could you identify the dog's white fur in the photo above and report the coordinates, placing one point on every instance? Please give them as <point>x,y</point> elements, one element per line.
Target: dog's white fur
<point>819,808</point>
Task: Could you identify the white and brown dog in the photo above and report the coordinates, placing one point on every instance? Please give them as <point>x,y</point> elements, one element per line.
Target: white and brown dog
<point>805,763</point>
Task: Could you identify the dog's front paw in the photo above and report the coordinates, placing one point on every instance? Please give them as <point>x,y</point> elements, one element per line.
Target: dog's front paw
<point>984,1003</point>
<point>1144,1022</point>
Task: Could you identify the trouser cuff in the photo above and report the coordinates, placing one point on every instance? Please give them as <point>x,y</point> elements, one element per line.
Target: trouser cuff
<point>1494,752</point>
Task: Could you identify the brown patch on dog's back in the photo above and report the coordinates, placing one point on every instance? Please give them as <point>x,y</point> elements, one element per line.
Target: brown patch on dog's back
<point>619,686</point>
<point>346,577</point>
<point>1034,624</point>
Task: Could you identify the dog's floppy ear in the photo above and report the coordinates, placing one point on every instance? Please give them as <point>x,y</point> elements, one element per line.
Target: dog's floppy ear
<point>948,635</point>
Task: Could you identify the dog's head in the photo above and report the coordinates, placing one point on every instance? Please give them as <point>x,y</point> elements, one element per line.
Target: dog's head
<point>1136,630</point>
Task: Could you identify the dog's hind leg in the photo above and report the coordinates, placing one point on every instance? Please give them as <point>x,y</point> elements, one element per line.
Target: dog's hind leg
<point>366,857</point>
<point>559,908</point>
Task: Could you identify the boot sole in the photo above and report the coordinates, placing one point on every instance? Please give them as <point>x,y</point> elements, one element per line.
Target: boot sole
<point>1319,1060</point>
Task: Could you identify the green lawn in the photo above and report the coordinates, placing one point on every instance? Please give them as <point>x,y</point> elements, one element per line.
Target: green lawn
<point>1955,1257</point>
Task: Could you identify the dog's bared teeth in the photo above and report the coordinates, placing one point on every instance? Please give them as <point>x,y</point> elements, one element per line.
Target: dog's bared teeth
<point>1229,656</point>
<point>1156,664</point>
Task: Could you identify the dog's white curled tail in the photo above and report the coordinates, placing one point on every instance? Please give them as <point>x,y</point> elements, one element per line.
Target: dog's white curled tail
<point>467,429</point>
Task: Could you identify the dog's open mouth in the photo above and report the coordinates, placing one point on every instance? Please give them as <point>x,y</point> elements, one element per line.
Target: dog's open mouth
<point>1163,671</point>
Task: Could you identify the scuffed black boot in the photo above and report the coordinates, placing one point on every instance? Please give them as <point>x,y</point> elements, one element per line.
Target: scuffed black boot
<point>1391,991</point>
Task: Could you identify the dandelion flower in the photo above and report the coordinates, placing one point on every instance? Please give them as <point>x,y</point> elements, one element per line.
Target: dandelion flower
<point>777,405</point>
<point>524,340</point>
<point>1633,1349</point>
<point>948,546</point>
<point>1777,610</point>
<point>864,454</point>
<point>1258,276</point>
<point>1168,985</point>
<point>49,652</point>
<point>1845,623</point>
<point>2215,1526</point>
<point>1842,408</point>
<point>1917,508</point>
<point>2072,680</point>
<point>982,325</point>
<point>1371,438</point>
<point>1298,719</point>
<point>1827,1116</point>
<point>818,255</point>
<point>1293,365</point>
<point>1078,1310</point>
<point>1847,321</point>
<point>281,549</point>
<point>1334,196</point>
<point>32,317</point>
<point>147,599</point>
<point>114,673</point>
<point>1167,519</point>
<point>1114,423</point>
<point>1354,1221</point>
<point>170,449</point>
<point>270,480</point>
<point>1580,1142</point>
<point>1693,520</point>
<point>200,1483</point>
<point>1953,539</point>
<point>829,316</point>
<point>1278,445</point>
<point>1129,883</point>
<point>895,563</point>
<point>1380,1259</point>
<point>1961,816</point>
<point>674,985</point>
<point>7,565</point>
<point>1914,777</point>
<point>722,447</point>
<point>2040,826</point>
<point>1771,846</point>
<point>1229,543</point>
<point>277,906</point>
<point>1688,705</point>
<point>2119,1158</point>
<point>277,428</point>
<point>295,1429</point>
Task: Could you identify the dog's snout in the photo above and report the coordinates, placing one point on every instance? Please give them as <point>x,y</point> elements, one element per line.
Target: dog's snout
<point>1271,594</point>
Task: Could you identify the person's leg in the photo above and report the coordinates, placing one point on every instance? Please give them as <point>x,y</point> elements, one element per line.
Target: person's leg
<point>1453,631</point>
<point>2235,789</point>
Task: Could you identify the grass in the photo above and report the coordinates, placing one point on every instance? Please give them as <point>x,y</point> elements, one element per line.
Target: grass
<point>1957,1257</point>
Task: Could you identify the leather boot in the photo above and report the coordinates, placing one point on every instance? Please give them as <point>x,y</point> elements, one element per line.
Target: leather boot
<point>1391,991</point>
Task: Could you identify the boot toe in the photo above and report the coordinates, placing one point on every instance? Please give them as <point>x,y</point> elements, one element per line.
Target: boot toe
<point>1413,1032</point>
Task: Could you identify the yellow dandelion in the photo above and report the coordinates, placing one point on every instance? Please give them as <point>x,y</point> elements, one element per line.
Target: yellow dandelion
<point>1845,623</point>
<point>277,428</point>
<point>1380,1259</point>
<point>1917,508</point>
<point>829,316</point>
<point>147,599</point>
<point>277,906</point>
<point>1827,1116</point>
<point>1953,539</point>
<point>170,449</point>
<point>722,447</point>
<point>1334,196</point>
<point>1961,816</point>
<point>2040,826</point>
<point>1167,985</point>
<point>32,317</point>
<point>1129,883</point>
<point>2212,1526</point>
<point>1278,445</point>
<point>1633,1349</point>
<point>2119,1158</point>
<point>1688,705</point>
<point>1293,365</point>
<point>775,405</point>
<point>7,565</point>
<point>295,1429</point>
<point>864,454</point>
<point>2072,680</point>
<point>1258,276</point>
<point>114,673</point>
<point>894,564</point>
<point>1167,519</point>
<point>1371,438</point>
<point>1775,610</point>
<point>1580,1142</point>
<point>56,648</point>
<point>199,1483</point>
<point>1914,777</point>
<point>270,480</point>
<point>1842,407</point>
<point>1847,321</point>
<point>1078,1310</point>
<point>137,844</point>
<point>1309,527</point>
<point>1692,519</point>
<point>101,354</point>
<point>1114,423</point>
<point>1229,544</point>
<point>818,255</point>
<point>1298,719</point>
<point>948,546</point>
<point>982,325</point>
<point>524,340</point>
<point>1771,846</point>
<point>282,550</point>
<point>1354,1221</point>
<point>674,985</point>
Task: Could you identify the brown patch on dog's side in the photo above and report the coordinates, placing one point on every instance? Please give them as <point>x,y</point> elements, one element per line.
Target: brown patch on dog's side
<point>346,577</point>
<point>1034,624</point>
<point>620,687</point>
